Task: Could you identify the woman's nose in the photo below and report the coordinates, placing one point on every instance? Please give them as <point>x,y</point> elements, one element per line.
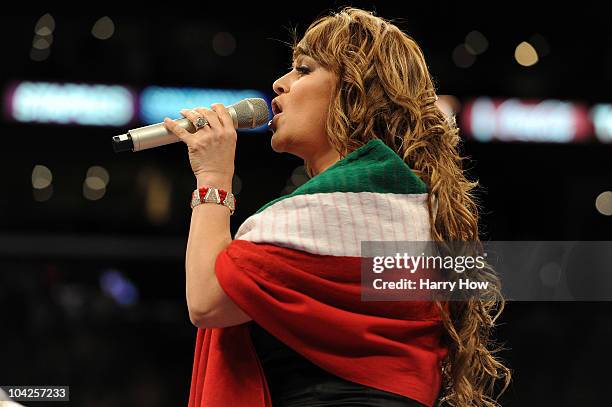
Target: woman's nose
<point>281,85</point>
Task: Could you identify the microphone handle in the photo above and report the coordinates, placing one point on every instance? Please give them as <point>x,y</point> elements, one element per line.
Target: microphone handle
<point>151,136</point>
<point>156,135</point>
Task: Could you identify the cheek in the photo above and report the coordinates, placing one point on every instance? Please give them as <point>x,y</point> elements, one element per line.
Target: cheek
<point>313,106</point>
<point>310,122</point>
<point>309,107</point>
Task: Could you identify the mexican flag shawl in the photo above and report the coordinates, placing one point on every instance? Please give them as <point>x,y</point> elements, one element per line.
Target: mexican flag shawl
<point>294,268</point>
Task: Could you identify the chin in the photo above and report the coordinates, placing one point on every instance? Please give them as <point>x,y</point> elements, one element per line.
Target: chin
<point>284,143</point>
<point>277,143</point>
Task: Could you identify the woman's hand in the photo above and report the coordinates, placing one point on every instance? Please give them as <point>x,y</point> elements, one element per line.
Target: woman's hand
<point>212,148</point>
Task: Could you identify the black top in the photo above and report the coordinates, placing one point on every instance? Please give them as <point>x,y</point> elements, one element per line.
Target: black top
<point>295,381</point>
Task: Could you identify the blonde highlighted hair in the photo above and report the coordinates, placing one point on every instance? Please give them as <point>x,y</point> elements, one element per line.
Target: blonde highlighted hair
<point>384,90</point>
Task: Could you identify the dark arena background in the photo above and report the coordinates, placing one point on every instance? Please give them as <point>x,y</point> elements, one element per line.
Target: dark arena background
<point>92,242</point>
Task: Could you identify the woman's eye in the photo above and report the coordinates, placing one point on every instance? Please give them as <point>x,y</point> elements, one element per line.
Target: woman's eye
<point>303,70</point>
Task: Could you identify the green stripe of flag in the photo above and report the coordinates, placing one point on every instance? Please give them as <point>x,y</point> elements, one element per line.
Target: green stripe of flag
<point>373,167</point>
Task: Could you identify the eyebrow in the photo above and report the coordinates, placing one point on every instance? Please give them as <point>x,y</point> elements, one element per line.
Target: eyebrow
<point>300,58</point>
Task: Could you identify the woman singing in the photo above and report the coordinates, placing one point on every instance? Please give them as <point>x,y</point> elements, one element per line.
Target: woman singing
<point>279,310</point>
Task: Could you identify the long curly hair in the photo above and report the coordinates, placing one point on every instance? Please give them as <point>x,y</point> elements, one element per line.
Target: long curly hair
<point>384,90</point>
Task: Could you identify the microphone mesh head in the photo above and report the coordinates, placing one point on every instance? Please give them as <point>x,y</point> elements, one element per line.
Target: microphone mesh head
<point>252,112</point>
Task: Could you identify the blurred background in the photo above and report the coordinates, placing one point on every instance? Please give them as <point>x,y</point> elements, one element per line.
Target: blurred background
<point>92,242</point>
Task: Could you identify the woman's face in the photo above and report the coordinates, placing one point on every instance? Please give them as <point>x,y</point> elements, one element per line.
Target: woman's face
<point>300,112</point>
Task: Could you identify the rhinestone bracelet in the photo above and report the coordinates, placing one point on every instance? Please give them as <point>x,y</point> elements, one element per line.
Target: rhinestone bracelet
<point>211,194</point>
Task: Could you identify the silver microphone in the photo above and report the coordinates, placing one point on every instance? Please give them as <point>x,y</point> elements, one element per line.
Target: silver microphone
<point>246,114</point>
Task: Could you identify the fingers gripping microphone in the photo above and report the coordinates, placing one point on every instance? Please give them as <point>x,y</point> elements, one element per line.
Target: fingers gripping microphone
<point>246,114</point>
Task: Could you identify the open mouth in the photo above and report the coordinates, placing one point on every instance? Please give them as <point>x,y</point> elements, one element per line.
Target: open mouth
<point>276,107</point>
